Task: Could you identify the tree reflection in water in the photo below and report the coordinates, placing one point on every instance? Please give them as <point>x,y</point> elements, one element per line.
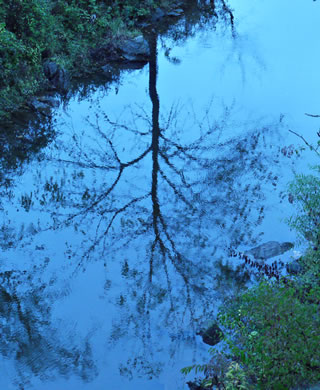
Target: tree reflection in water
<point>168,214</point>
<point>164,197</point>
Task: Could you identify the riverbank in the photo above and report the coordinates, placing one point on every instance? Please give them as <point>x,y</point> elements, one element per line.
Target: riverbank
<point>45,46</point>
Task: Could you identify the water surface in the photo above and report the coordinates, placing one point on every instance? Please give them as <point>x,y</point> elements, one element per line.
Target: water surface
<point>116,228</point>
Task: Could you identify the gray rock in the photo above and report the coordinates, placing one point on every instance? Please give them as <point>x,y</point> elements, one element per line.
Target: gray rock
<point>211,335</point>
<point>43,104</point>
<point>50,101</point>
<point>135,50</point>
<point>37,105</point>
<point>269,249</point>
<point>50,69</point>
<point>57,76</point>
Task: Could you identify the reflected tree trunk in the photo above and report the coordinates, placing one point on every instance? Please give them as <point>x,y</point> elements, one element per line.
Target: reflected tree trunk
<point>153,69</point>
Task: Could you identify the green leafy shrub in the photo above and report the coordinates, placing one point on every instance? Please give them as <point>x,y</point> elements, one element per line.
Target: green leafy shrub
<point>25,32</point>
<point>235,378</point>
<point>32,31</point>
<point>274,335</point>
<point>305,190</point>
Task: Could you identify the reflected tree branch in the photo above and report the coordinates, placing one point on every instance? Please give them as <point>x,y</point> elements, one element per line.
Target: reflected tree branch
<point>115,214</point>
<point>175,190</point>
<point>312,115</point>
<point>306,142</point>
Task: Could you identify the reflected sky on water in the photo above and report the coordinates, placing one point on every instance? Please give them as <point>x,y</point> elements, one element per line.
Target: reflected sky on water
<point>115,238</point>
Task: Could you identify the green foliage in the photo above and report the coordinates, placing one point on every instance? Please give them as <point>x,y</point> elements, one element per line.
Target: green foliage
<point>307,282</point>
<point>235,378</point>
<point>24,34</point>
<point>195,367</point>
<point>274,335</point>
<point>32,31</point>
<point>306,194</point>
<point>271,334</point>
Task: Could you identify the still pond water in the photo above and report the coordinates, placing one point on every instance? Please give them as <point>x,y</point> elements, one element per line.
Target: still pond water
<point>115,233</point>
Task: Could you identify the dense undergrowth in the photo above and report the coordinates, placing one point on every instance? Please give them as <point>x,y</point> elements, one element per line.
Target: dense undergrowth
<point>32,31</point>
<point>272,331</point>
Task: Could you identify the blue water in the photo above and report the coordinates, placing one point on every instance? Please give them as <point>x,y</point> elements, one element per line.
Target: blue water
<point>117,262</point>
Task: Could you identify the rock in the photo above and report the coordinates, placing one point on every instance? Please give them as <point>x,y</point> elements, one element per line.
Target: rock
<point>50,101</point>
<point>269,249</point>
<point>50,69</point>
<point>211,335</point>
<point>37,105</point>
<point>135,50</point>
<point>57,76</point>
<point>43,104</point>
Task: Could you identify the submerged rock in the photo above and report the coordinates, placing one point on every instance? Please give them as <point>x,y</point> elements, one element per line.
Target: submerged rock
<point>269,249</point>
<point>211,335</point>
